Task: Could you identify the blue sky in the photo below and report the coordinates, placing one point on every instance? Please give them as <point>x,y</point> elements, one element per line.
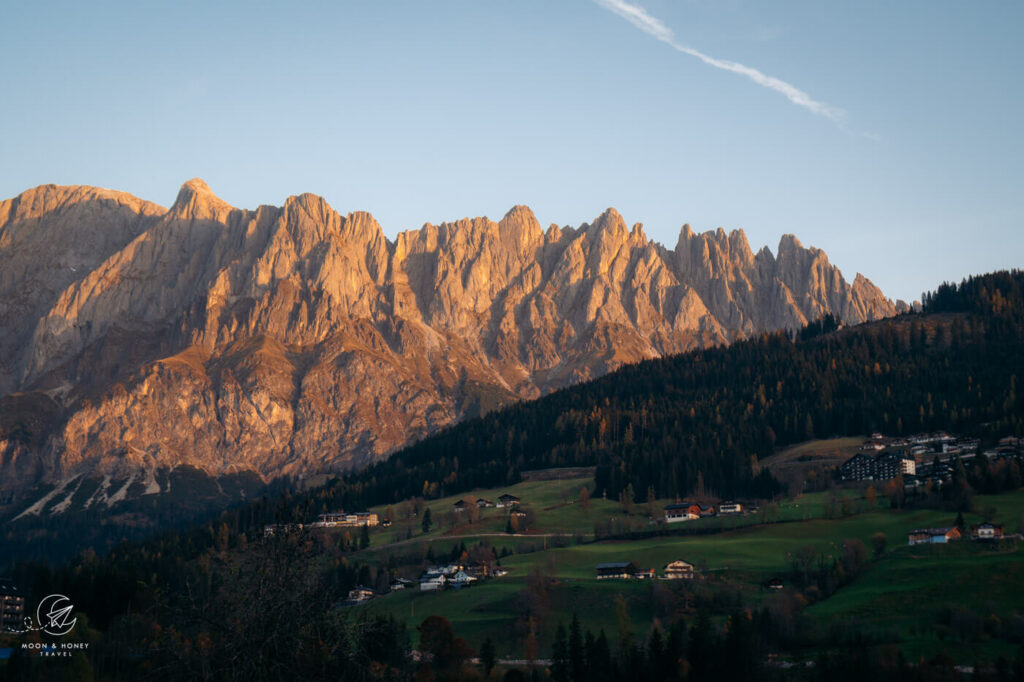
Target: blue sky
<point>430,111</point>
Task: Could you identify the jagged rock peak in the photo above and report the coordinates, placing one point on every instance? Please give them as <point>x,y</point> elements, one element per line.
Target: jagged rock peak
<point>198,202</point>
<point>789,243</point>
<point>197,185</point>
<point>609,221</point>
<point>310,205</point>
<point>738,240</point>
<point>520,214</point>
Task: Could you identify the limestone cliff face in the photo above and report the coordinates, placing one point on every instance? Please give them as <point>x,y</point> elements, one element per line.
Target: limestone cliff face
<point>298,340</point>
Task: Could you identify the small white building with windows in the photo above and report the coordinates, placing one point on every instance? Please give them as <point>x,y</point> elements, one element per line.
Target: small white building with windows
<point>432,580</point>
<point>679,570</point>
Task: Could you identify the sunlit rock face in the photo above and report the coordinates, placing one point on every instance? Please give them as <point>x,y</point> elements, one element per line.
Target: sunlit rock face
<point>295,339</point>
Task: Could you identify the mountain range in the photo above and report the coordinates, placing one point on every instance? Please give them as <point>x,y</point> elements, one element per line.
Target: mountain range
<point>136,340</point>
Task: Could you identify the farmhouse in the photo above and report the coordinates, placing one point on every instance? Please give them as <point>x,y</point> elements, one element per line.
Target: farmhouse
<point>682,511</point>
<point>987,531</point>
<point>616,570</point>
<point>730,508</point>
<point>679,570</point>
<point>460,506</point>
<point>451,569</point>
<point>924,536</point>
<point>483,503</point>
<point>624,570</point>
<point>478,571</point>
<point>507,500</point>
<point>400,584</point>
<point>272,529</point>
<point>432,580</point>
<point>461,579</point>
<point>359,595</point>
<point>343,520</point>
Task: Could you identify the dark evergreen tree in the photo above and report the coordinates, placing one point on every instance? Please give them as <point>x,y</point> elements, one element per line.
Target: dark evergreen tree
<point>560,656</point>
<point>364,537</point>
<point>577,660</point>
<point>426,523</point>
<point>488,656</point>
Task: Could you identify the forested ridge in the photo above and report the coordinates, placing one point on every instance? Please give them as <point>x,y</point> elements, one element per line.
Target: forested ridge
<point>706,417</point>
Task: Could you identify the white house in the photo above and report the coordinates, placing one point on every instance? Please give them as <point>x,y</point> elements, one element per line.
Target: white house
<point>679,570</point>
<point>924,536</point>
<point>360,595</point>
<point>461,579</point>
<point>507,500</point>
<point>684,511</point>
<point>987,531</point>
<point>432,581</point>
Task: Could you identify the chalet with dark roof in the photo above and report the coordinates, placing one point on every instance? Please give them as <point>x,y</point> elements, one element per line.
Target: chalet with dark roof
<point>936,536</point>
<point>679,570</point>
<point>507,500</point>
<point>616,570</point>
<point>987,531</point>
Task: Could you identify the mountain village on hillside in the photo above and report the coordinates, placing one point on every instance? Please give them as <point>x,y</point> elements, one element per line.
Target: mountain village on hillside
<point>919,459</point>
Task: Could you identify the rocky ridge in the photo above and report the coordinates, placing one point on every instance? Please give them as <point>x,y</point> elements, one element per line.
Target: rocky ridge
<point>296,340</point>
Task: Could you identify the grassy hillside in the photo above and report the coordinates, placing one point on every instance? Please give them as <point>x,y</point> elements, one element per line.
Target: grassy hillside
<point>555,509</point>
<point>809,461</point>
<point>905,594</point>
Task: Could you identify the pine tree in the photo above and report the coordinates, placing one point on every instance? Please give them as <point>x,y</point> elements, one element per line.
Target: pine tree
<point>427,523</point>
<point>601,665</point>
<point>364,537</point>
<point>488,657</point>
<point>560,656</point>
<point>577,662</point>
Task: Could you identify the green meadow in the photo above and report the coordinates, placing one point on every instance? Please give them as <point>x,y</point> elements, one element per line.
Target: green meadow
<point>907,596</point>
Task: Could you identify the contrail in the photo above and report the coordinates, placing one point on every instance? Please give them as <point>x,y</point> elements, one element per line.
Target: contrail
<point>652,26</point>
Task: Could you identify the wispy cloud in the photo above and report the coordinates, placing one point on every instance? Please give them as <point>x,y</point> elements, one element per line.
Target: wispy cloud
<point>653,26</point>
